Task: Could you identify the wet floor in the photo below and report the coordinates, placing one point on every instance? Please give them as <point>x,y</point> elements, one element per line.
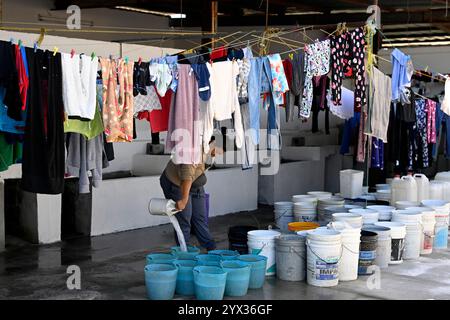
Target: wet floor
<point>112,268</point>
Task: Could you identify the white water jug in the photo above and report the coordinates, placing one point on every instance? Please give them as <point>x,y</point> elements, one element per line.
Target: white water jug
<point>423,186</point>
<point>403,189</point>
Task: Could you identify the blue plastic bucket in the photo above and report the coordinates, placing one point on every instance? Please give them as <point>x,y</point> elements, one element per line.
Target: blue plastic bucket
<point>185,278</point>
<point>238,277</point>
<point>209,282</point>
<point>160,258</point>
<point>160,280</point>
<point>258,269</point>
<point>209,260</point>
<point>182,255</point>
<point>225,254</point>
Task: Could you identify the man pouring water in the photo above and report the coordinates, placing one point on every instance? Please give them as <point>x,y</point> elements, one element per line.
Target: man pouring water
<point>184,184</point>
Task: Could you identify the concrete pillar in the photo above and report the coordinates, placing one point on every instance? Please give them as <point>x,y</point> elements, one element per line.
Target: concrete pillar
<point>40,217</point>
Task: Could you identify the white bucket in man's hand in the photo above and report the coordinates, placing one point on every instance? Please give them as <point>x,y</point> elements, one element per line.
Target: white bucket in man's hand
<point>160,207</point>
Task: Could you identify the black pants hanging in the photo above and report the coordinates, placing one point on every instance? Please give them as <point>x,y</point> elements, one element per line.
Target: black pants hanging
<point>43,150</point>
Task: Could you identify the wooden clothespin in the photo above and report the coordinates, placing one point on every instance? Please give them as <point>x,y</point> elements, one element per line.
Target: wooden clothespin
<point>72,53</point>
<point>55,51</point>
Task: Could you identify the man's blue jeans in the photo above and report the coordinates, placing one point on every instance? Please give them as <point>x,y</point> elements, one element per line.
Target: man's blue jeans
<point>194,215</point>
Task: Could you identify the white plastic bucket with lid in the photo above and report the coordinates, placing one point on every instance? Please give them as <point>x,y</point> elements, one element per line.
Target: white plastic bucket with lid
<point>262,242</point>
<point>401,205</point>
<point>384,242</point>
<point>442,220</point>
<point>305,212</point>
<point>398,233</point>
<point>351,237</point>
<point>351,183</point>
<point>413,222</point>
<point>369,216</point>
<point>320,194</point>
<point>283,214</point>
<point>324,249</point>
<point>304,198</point>
<point>353,219</point>
<point>423,186</point>
<point>385,212</point>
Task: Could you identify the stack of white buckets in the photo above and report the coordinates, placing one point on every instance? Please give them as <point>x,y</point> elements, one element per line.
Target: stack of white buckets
<point>415,224</point>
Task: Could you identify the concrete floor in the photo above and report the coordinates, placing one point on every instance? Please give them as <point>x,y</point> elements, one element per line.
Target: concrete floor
<point>112,268</point>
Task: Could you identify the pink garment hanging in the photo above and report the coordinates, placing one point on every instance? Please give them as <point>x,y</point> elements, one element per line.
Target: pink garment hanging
<point>431,121</point>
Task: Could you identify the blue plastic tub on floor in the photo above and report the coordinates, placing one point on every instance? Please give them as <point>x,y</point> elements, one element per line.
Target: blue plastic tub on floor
<point>258,269</point>
<point>160,280</point>
<point>185,278</point>
<point>212,260</point>
<point>160,258</point>
<point>238,277</point>
<point>209,282</point>
<point>189,255</point>
<point>225,254</point>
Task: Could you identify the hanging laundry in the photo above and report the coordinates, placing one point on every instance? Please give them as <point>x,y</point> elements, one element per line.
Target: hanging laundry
<point>147,102</point>
<point>202,76</point>
<point>219,54</point>
<point>379,104</point>
<point>317,63</point>
<point>84,156</point>
<point>117,108</point>
<point>321,84</point>
<point>183,137</point>
<point>159,119</point>
<point>347,59</point>
<point>248,149</point>
<point>9,79</point>
<point>79,85</point>
<point>248,54</point>
<point>22,73</point>
<point>442,117</point>
<point>224,101</point>
<point>402,71</point>
<point>10,150</point>
<point>431,121</point>
<point>445,105</point>
<point>421,127</point>
<point>89,129</point>
<point>43,149</point>
<point>289,96</point>
<point>8,124</point>
<point>161,76</point>
<point>377,154</point>
<point>242,84</point>
<point>298,78</point>
<point>141,78</point>
<point>346,110</point>
<point>235,54</point>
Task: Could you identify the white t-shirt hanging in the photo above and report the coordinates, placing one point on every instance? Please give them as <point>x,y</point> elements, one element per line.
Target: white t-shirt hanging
<point>224,99</point>
<point>79,83</point>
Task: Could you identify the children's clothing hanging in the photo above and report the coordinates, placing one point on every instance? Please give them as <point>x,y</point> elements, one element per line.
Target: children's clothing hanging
<point>402,71</point>
<point>43,150</point>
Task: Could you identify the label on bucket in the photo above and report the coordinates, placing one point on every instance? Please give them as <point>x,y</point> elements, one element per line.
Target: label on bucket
<point>326,271</point>
<point>367,255</point>
<point>428,240</point>
<point>440,241</point>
